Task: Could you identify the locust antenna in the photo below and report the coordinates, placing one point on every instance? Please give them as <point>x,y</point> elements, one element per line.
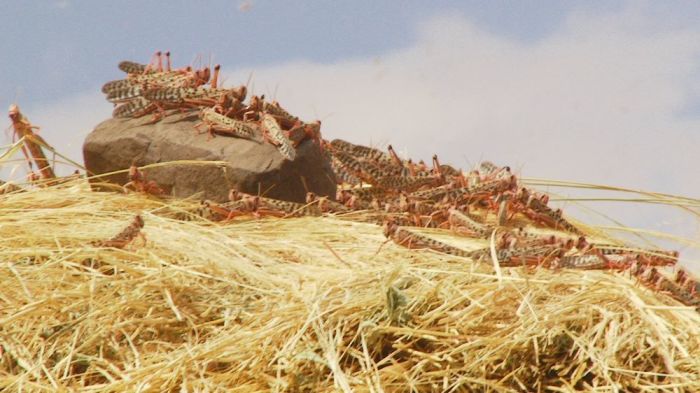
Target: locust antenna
<point>250,78</point>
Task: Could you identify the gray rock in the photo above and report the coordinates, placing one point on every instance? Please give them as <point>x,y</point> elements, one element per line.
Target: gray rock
<point>253,167</point>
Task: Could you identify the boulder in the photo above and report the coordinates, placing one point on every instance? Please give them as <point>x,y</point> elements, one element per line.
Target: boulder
<point>252,167</point>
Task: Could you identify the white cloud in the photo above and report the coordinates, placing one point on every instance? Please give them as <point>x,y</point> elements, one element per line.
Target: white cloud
<point>598,101</point>
<point>68,122</point>
<point>592,102</point>
<point>64,125</point>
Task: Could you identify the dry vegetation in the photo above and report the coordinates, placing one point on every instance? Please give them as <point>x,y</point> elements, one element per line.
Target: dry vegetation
<point>307,304</point>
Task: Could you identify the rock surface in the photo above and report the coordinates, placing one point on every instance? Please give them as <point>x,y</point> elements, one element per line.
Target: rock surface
<point>252,167</point>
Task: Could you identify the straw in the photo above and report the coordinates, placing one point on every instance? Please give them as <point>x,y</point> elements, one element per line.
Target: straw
<point>307,304</point>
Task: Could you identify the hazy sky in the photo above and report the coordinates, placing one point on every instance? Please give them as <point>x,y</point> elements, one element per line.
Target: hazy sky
<point>596,91</point>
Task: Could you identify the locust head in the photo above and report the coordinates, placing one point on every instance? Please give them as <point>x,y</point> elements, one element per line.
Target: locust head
<point>310,197</point>
<point>390,227</point>
<point>13,112</point>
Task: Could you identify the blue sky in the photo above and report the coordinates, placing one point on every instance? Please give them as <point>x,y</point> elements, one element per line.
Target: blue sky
<point>64,47</point>
<point>597,91</point>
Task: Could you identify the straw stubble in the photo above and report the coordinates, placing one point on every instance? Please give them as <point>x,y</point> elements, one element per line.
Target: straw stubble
<point>308,304</point>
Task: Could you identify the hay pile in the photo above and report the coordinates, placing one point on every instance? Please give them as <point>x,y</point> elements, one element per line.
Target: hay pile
<point>307,304</point>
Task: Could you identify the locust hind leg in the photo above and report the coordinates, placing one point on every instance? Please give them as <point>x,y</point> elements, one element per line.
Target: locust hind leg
<point>158,115</point>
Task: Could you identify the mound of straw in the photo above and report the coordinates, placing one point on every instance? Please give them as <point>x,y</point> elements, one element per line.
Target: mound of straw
<point>307,305</point>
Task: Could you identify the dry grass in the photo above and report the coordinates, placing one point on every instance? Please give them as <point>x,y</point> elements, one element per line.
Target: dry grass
<point>314,305</point>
